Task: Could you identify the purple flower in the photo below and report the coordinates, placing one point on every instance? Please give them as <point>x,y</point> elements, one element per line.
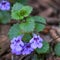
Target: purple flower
<point>27,49</point>
<point>17,40</point>
<point>4,5</point>
<point>36,41</point>
<point>16,50</point>
<point>17,45</point>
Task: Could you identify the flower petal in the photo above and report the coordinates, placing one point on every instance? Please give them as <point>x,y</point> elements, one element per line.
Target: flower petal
<point>13,51</point>
<point>32,40</point>
<point>39,45</point>
<point>33,45</point>
<point>12,46</point>
<point>41,40</point>
<point>18,48</point>
<point>18,52</point>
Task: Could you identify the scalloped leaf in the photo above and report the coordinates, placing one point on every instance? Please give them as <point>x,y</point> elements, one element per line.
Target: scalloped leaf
<point>16,7</point>
<point>27,9</point>
<point>57,49</point>
<point>39,27</point>
<point>40,19</point>
<point>44,49</point>
<point>5,17</point>
<point>28,26</point>
<point>14,31</point>
<point>40,23</point>
<point>20,11</point>
<point>24,12</point>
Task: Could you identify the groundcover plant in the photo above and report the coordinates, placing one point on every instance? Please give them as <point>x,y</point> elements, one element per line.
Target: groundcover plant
<point>25,37</point>
<point>25,34</point>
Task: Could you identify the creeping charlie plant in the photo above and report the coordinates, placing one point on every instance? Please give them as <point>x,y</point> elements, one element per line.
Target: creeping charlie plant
<point>27,30</point>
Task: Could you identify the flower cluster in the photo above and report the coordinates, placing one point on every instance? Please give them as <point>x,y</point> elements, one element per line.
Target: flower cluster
<point>4,5</point>
<point>18,47</point>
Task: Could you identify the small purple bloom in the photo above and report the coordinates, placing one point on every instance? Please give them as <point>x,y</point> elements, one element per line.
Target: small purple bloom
<point>16,50</point>
<point>36,41</point>
<point>17,45</point>
<point>27,49</point>
<point>4,5</point>
<point>17,40</point>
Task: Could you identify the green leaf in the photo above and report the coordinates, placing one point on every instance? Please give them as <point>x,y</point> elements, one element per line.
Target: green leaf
<point>27,9</point>
<point>17,6</point>
<point>15,10</point>
<point>5,17</point>
<point>24,12</point>
<point>57,49</point>
<point>39,19</point>
<point>19,11</point>
<point>39,27</point>
<point>14,31</point>
<point>28,26</point>
<point>26,37</point>
<point>44,49</point>
<point>40,23</point>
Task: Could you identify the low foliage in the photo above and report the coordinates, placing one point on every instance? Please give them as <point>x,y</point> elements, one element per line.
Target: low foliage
<point>57,49</point>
